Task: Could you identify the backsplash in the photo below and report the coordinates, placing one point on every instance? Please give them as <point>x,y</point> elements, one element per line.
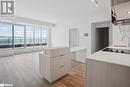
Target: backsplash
<point>121,34</point>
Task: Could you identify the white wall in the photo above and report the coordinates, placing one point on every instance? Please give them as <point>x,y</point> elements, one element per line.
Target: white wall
<point>60,34</point>
<point>65,14</point>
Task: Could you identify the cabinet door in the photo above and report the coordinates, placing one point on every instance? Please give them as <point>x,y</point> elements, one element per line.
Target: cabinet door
<point>57,68</point>
<point>67,61</point>
<point>103,74</point>
<point>44,64</point>
<point>81,55</point>
<point>57,62</point>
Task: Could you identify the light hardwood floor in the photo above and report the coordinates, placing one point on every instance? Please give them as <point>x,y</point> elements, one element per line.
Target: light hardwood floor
<point>23,71</point>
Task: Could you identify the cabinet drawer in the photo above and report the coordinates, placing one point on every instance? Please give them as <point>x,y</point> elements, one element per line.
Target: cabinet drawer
<point>58,72</point>
<point>51,52</point>
<point>67,61</point>
<point>57,62</point>
<point>63,51</point>
<point>61,60</point>
<point>54,52</point>
<point>60,66</point>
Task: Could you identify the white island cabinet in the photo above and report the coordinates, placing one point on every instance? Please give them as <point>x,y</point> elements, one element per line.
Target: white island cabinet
<point>55,63</point>
<point>108,69</point>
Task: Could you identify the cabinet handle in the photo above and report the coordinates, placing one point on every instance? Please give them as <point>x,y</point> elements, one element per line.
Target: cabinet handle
<point>61,66</point>
<point>61,55</point>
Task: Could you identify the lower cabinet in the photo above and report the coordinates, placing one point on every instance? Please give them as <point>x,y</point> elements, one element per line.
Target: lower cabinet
<point>79,54</point>
<point>103,74</point>
<point>53,68</point>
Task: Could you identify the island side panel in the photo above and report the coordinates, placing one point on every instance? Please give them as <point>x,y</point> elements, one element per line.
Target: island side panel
<point>102,74</point>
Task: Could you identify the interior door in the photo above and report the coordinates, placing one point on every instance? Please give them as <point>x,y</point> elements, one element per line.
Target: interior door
<point>73,38</point>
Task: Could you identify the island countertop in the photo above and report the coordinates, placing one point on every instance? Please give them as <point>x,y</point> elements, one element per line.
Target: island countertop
<point>111,57</point>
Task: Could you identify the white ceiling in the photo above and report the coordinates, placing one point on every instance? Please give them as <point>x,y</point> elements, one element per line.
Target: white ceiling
<point>64,9</point>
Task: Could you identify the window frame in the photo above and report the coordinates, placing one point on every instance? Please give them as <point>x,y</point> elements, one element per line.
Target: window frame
<point>35,28</point>
<point>11,35</point>
<point>23,37</point>
<point>25,33</point>
<point>32,35</point>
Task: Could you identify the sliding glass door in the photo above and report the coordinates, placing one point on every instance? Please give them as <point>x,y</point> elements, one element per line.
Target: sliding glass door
<point>37,36</point>
<point>19,36</point>
<point>29,36</point>
<point>5,36</point>
<point>44,36</point>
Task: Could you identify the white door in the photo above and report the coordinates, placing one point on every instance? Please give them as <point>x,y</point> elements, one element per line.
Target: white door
<point>73,38</point>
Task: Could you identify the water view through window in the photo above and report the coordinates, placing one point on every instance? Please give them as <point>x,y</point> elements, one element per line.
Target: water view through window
<point>13,36</point>
<point>5,35</point>
<point>37,36</point>
<point>29,36</point>
<point>19,36</point>
<point>44,36</point>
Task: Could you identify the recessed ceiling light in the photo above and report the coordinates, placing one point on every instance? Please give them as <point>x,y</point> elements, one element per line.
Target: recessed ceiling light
<point>128,12</point>
<point>96,2</point>
<point>93,0</point>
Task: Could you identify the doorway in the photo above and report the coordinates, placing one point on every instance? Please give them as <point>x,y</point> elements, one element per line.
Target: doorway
<point>73,37</point>
<point>101,35</point>
<point>102,38</point>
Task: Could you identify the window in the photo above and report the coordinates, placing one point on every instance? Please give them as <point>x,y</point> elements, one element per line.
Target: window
<point>44,36</point>
<point>29,35</point>
<point>5,35</point>
<point>16,35</point>
<point>19,36</point>
<point>37,36</point>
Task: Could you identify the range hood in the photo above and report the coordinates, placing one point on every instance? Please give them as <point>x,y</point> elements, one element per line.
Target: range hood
<point>120,12</point>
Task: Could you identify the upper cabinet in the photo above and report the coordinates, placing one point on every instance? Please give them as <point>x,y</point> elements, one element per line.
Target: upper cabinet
<point>120,12</point>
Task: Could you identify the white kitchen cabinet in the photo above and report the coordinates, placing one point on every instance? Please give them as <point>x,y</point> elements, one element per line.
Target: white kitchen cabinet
<point>79,54</point>
<point>55,63</point>
<point>104,74</point>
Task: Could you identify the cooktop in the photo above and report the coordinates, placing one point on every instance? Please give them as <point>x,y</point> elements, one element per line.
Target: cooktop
<point>117,50</point>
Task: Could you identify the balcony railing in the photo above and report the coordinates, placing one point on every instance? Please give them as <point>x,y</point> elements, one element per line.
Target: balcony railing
<point>7,42</point>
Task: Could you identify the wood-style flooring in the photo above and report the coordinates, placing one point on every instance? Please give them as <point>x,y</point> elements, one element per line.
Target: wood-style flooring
<point>23,71</point>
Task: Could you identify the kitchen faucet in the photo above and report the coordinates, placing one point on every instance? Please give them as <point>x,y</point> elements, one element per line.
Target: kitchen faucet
<point>126,36</point>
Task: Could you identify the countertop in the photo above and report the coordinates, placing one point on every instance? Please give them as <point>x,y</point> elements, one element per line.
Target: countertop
<point>111,57</point>
<point>120,47</point>
<point>77,49</point>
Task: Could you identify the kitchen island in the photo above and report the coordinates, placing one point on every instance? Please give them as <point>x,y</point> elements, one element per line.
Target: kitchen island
<point>107,69</point>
